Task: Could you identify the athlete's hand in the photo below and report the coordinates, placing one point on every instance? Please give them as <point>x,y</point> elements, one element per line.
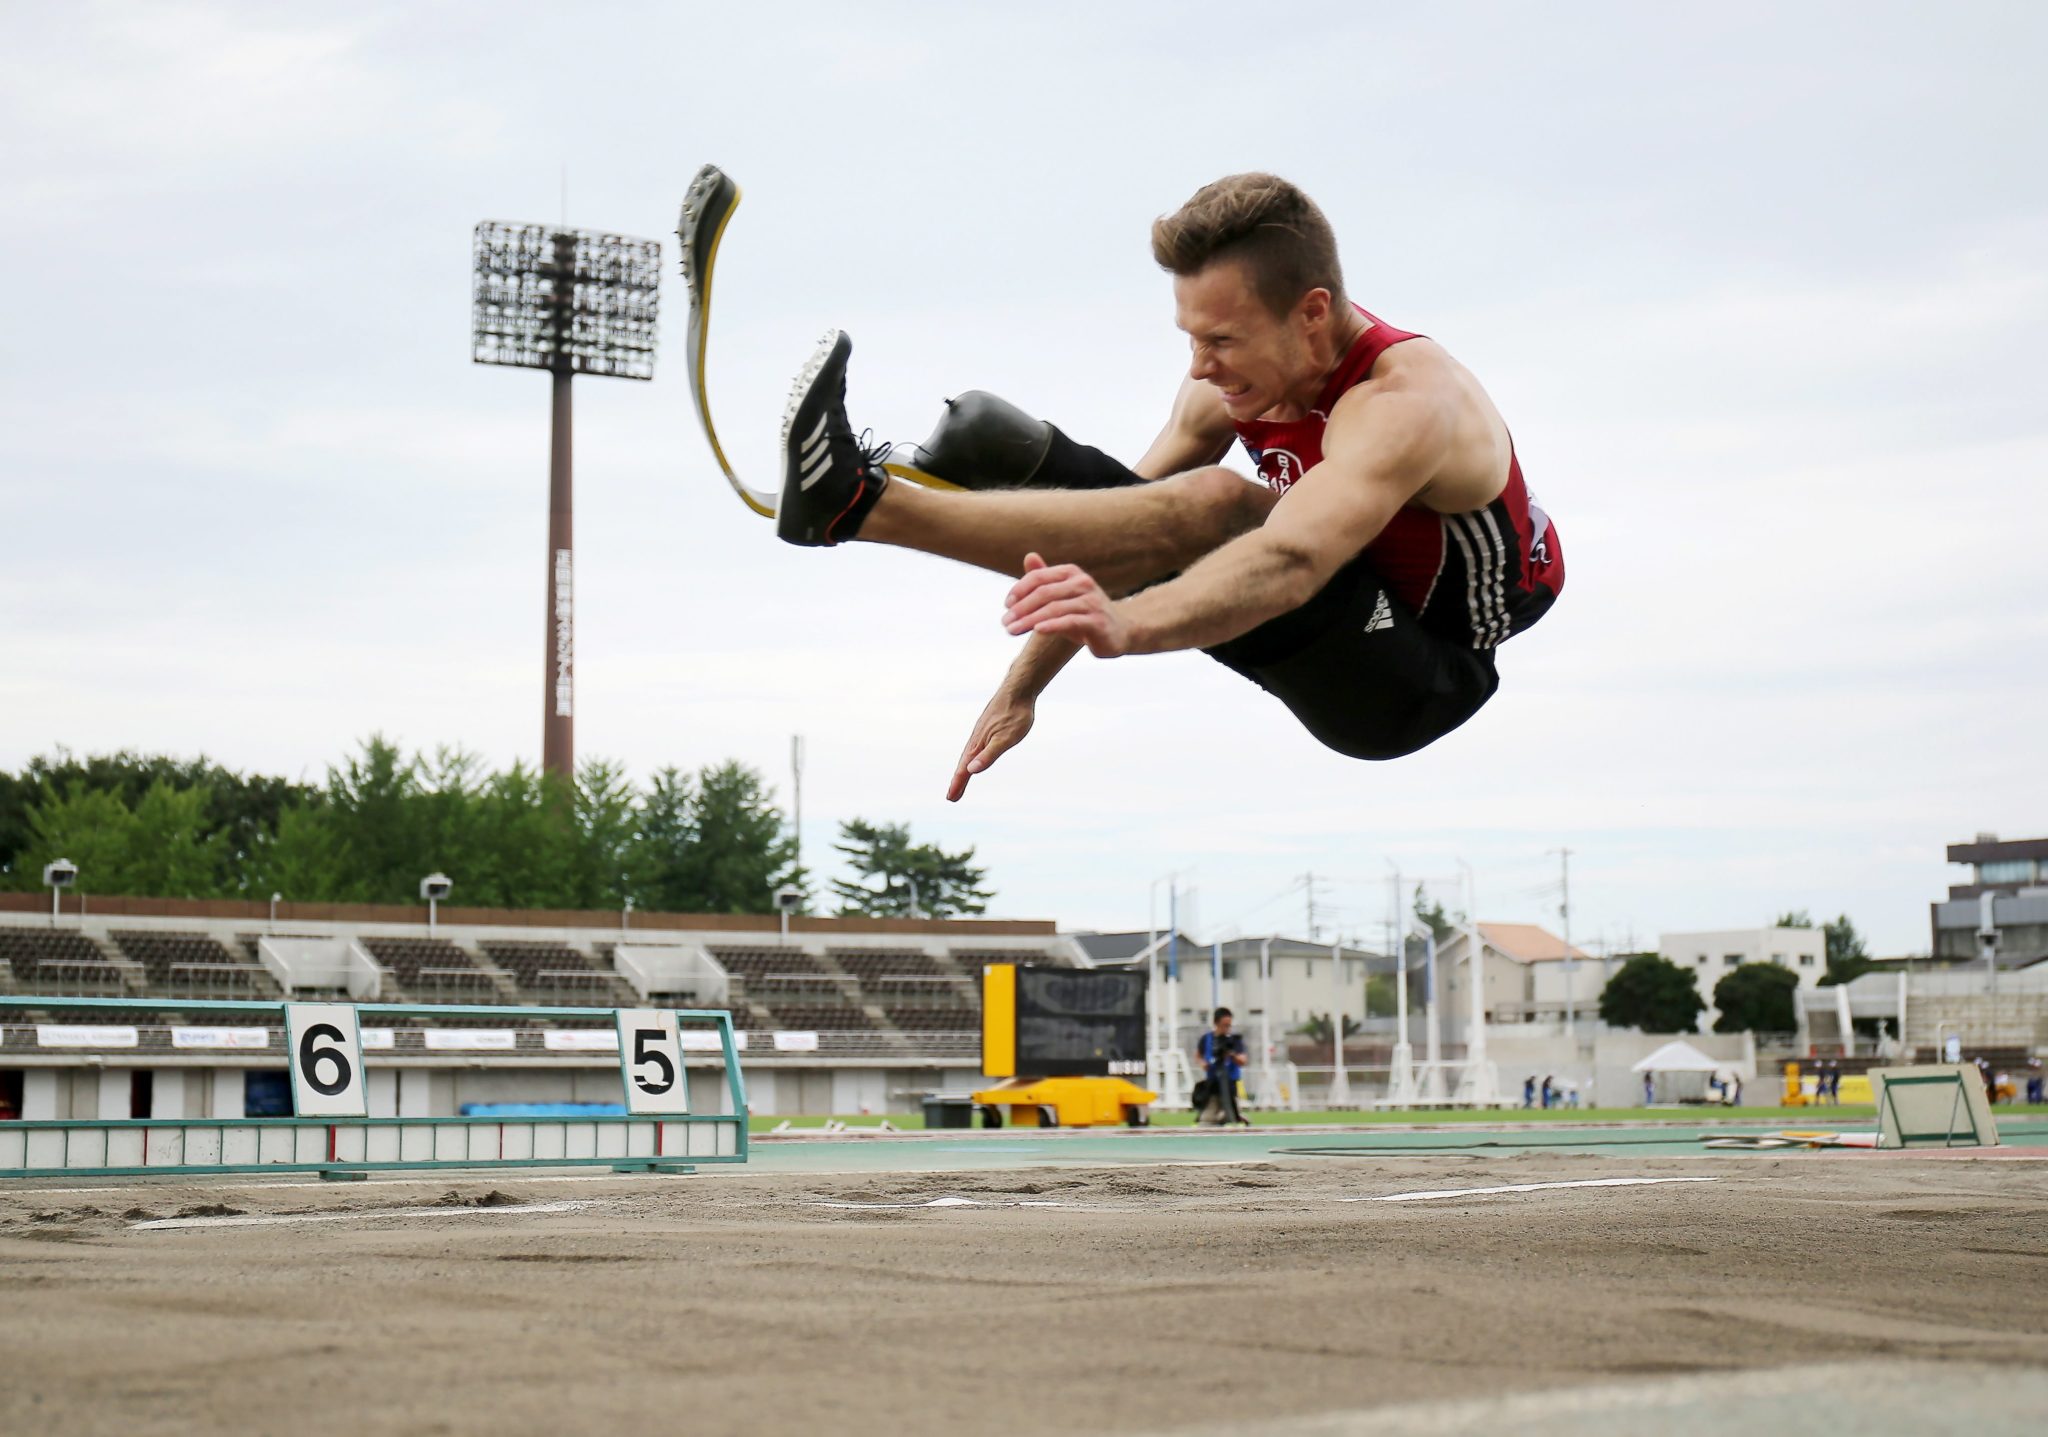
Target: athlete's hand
<point>1000,728</point>
<point>1062,599</point>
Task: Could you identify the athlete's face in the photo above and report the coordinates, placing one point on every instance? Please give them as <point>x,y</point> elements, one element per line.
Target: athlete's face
<point>1256,359</point>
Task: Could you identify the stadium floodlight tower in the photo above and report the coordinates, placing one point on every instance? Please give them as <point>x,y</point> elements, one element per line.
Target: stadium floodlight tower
<point>570,302</point>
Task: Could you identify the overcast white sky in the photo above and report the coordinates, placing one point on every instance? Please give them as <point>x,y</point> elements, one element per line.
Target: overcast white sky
<point>1760,288</point>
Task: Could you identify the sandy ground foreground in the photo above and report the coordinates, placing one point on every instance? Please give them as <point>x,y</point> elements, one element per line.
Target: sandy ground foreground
<point>1244,1298</point>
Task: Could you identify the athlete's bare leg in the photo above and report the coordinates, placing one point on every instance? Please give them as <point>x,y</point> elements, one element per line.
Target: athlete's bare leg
<point>1123,537</point>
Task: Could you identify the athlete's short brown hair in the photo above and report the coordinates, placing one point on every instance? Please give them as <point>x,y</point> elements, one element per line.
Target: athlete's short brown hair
<point>1262,221</point>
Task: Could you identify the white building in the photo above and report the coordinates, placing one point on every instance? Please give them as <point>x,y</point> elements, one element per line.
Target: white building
<point>1530,975</point>
<point>1712,956</point>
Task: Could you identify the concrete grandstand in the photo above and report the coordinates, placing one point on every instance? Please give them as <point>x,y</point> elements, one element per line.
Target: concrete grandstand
<point>836,1015</point>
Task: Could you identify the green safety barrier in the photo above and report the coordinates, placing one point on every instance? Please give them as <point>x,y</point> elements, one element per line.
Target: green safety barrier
<point>333,1135</point>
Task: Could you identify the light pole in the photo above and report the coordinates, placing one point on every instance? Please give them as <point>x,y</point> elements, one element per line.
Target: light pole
<point>1564,913</point>
<point>59,874</point>
<point>1340,1082</point>
<point>626,915</point>
<point>570,302</point>
<point>435,887</point>
<point>1266,1018</point>
<point>787,897</point>
<point>275,899</point>
<point>796,800</point>
<point>1167,1019</point>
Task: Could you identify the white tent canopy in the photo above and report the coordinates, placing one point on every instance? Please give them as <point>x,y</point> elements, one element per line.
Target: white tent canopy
<point>1678,1057</point>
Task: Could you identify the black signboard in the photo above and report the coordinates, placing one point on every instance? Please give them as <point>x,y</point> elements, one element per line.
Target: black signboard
<point>1076,1022</point>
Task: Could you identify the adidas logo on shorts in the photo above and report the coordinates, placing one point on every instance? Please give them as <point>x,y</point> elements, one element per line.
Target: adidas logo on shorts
<point>1382,615</point>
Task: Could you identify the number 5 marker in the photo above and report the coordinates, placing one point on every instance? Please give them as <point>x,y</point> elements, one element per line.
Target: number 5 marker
<point>651,1061</point>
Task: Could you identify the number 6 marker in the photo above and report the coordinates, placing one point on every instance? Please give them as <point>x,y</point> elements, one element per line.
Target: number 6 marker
<point>327,1061</point>
<point>651,1061</point>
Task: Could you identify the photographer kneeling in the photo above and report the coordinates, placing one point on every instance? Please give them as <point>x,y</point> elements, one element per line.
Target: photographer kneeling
<point>1221,1053</point>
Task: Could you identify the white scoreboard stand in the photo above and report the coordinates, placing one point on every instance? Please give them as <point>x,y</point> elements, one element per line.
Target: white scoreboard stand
<point>326,1049</point>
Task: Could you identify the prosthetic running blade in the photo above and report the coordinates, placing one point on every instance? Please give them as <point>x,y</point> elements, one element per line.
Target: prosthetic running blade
<point>708,207</point>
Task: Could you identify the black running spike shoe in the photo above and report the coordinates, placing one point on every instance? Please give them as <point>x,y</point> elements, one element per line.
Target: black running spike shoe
<point>830,479</point>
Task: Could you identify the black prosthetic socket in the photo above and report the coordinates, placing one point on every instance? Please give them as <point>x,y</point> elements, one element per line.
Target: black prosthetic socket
<point>983,441</point>
<point>1069,465</point>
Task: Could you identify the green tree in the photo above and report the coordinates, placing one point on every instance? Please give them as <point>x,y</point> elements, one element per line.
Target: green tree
<point>1652,994</point>
<point>711,842</point>
<point>1431,912</point>
<point>239,813</point>
<point>528,847</point>
<point>1795,918</point>
<point>947,884</point>
<point>173,851</point>
<point>607,828</point>
<point>1847,957</point>
<point>742,849</point>
<point>1379,994</point>
<point>302,861</point>
<point>1756,998</point>
<point>376,822</point>
<point>1316,1027</point>
<point>92,827</point>
<point>661,854</point>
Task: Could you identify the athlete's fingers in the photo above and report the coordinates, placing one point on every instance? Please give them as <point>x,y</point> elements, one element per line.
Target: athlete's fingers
<point>1073,626</point>
<point>967,767</point>
<point>1057,608</point>
<point>1033,561</point>
<point>1036,578</point>
<point>1073,588</point>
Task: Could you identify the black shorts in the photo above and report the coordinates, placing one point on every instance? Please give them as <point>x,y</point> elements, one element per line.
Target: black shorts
<point>1367,684</point>
<point>1360,671</point>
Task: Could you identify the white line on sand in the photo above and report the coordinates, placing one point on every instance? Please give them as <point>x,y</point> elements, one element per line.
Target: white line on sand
<point>279,1219</point>
<point>1522,1188</point>
<point>935,1202</point>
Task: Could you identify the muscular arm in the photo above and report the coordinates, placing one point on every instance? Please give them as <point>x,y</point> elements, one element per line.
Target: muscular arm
<point>1381,447</point>
<point>1197,432</point>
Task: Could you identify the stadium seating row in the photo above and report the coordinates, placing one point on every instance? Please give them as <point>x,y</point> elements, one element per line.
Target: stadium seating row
<point>775,988</point>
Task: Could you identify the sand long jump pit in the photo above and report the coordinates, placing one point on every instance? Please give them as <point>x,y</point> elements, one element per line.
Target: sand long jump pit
<point>975,1285</point>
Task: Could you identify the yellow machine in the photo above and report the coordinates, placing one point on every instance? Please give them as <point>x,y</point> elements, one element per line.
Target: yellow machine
<point>1063,1048</point>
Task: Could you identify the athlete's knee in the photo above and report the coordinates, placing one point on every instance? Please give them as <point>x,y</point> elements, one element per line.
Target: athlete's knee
<point>1225,496</point>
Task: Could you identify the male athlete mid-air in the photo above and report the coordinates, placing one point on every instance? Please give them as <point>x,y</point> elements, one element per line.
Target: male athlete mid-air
<point>1365,583</point>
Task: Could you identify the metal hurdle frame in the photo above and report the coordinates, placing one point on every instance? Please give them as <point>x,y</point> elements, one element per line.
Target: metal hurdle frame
<point>349,1147</point>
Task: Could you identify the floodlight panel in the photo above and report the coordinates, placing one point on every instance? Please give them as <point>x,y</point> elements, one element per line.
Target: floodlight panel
<point>580,301</point>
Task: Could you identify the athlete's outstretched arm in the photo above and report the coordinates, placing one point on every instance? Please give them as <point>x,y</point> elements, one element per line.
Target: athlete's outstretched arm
<point>1380,449</point>
<point>1197,432</point>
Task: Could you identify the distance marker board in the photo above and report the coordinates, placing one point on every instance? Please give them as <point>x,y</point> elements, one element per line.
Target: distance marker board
<point>326,1051</point>
<point>651,1060</point>
<point>1045,1022</point>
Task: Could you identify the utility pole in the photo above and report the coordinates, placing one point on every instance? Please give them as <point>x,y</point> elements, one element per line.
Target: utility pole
<point>1308,885</point>
<point>1564,913</point>
<point>796,799</point>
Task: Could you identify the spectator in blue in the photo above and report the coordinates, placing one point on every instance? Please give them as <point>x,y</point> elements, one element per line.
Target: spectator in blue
<point>2033,1080</point>
<point>1529,1092</point>
<point>1222,1056</point>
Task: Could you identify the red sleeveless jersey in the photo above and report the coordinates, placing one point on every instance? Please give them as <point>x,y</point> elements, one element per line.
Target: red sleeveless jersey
<point>1475,578</point>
